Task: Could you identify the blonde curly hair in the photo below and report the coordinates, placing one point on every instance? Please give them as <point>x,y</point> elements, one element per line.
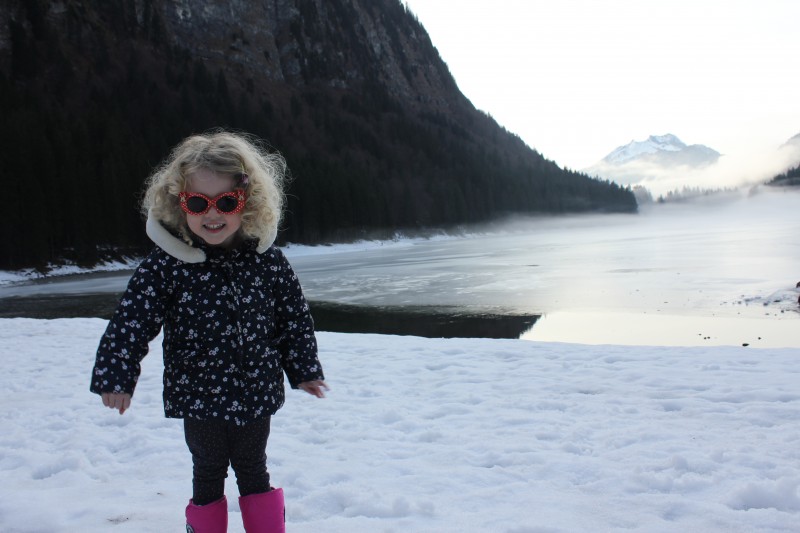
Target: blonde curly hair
<point>222,152</point>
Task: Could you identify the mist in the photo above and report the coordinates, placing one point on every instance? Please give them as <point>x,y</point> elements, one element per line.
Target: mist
<point>747,166</point>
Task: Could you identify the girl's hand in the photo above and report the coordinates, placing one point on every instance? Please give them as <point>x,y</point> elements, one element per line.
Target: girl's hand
<point>314,388</point>
<point>115,400</point>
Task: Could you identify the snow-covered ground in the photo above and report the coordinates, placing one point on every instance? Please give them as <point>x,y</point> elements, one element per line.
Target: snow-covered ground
<point>425,435</point>
<point>29,274</point>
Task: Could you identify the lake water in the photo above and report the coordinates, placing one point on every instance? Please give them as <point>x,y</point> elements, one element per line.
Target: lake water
<point>721,270</point>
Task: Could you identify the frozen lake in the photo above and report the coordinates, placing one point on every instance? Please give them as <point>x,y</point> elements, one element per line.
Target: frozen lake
<point>720,270</point>
<point>714,271</point>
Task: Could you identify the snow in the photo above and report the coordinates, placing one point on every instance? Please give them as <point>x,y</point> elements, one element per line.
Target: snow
<point>636,149</point>
<point>8,277</point>
<point>398,242</point>
<point>425,435</point>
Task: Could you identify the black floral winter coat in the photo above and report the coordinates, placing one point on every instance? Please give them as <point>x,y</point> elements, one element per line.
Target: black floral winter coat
<point>233,324</point>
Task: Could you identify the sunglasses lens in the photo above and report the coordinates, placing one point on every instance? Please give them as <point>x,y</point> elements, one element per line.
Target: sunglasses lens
<point>227,204</point>
<point>195,204</point>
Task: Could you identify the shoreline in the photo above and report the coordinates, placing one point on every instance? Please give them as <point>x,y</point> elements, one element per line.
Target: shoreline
<point>590,327</point>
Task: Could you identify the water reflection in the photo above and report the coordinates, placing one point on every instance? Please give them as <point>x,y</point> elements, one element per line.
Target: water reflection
<point>421,321</point>
<point>60,306</point>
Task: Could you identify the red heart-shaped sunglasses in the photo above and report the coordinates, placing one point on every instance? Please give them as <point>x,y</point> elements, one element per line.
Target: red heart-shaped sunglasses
<point>227,203</point>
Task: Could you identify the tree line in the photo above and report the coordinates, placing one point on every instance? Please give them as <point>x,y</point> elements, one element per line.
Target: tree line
<point>790,178</point>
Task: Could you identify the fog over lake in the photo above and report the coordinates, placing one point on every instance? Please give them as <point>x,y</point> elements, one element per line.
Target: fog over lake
<point>717,270</point>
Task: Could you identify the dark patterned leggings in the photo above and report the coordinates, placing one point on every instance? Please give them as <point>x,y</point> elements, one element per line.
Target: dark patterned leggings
<point>216,444</point>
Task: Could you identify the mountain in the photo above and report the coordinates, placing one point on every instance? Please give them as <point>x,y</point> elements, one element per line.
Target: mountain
<point>659,163</point>
<point>793,141</point>
<point>378,137</point>
<point>791,148</point>
<point>790,151</point>
<point>664,150</point>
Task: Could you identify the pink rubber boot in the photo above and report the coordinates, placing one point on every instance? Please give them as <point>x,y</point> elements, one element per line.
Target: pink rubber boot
<point>211,518</point>
<point>263,513</point>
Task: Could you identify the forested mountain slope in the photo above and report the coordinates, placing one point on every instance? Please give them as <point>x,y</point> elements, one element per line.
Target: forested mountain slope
<point>378,136</point>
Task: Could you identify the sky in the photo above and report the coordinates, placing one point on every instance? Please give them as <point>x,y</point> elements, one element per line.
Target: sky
<point>575,79</point>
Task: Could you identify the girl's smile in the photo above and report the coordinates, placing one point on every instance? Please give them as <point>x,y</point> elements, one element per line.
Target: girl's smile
<point>215,227</point>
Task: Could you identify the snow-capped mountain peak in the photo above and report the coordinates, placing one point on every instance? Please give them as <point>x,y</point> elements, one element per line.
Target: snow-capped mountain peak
<point>659,158</point>
<point>636,149</point>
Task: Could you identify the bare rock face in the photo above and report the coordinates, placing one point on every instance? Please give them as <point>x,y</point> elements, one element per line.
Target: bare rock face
<point>340,44</point>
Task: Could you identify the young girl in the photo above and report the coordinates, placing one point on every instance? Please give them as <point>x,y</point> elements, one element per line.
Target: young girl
<point>234,320</point>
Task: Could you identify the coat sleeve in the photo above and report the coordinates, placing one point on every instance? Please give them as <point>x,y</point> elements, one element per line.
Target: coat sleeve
<point>297,344</point>
<point>135,323</point>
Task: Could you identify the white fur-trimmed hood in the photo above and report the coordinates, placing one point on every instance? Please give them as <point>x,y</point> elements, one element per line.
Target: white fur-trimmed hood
<point>184,251</point>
